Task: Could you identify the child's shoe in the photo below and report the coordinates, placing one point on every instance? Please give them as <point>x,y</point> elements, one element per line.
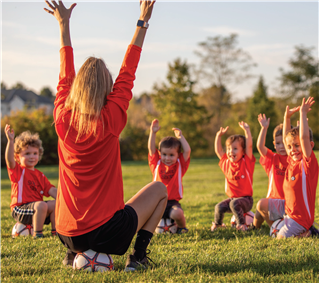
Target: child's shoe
<point>242,227</point>
<point>251,227</point>
<point>216,226</point>
<point>182,230</point>
<point>69,257</point>
<point>53,233</point>
<point>132,264</point>
<point>38,235</point>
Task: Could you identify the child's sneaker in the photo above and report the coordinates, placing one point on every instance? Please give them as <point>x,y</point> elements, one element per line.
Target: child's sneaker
<point>53,233</point>
<point>132,264</point>
<point>68,259</point>
<point>182,230</point>
<point>38,236</point>
<point>251,227</point>
<point>242,227</point>
<point>216,226</point>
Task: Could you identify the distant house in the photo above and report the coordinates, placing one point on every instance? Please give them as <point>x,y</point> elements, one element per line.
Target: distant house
<point>19,99</point>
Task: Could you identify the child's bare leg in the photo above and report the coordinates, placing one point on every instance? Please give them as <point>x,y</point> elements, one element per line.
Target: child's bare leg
<point>39,216</point>
<point>177,215</point>
<point>258,219</point>
<point>263,209</point>
<point>149,204</point>
<point>51,212</point>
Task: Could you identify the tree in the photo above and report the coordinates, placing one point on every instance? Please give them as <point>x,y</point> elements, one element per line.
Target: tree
<point>260,103</point>
<point>47,92</point>
<point>3,85</point>
<point>177,106</point>
<point>304,74</point>
<point>19,85</point>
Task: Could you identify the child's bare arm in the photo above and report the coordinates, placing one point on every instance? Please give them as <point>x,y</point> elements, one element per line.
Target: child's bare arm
<point>185,145</point>
<point>248,136</point>
<point>53,192</point>
<point>217,143</point>
<point>154,128</point>
<point>62,14</point>
<point>287,123</point>
<point>264,123</point>
<point>304,127</point>
<point>9,155</point>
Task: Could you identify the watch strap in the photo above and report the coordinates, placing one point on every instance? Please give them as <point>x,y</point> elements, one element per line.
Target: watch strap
<point>142,24</point>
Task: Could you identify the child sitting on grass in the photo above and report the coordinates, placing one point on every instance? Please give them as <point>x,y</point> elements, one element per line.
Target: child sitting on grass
<point>275,165</point>
<point>29,185</point>
<point>238,166</point>
<point>301,176</point>
<point>169,168</point>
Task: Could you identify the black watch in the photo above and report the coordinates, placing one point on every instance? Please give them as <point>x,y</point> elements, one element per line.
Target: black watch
<point>142,24</point>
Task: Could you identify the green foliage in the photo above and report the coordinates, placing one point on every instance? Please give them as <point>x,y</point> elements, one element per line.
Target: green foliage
<point>197,256</point>
<point>259,103</point>
<point>47,92</point>
<point>177,107</point>
<point>3,85</point>
<point>19,85</point>
<point>36,121</point>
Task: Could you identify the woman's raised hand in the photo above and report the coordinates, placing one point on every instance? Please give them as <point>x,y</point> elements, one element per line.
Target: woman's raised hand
<point>146,7</point>
<point>59,11</point>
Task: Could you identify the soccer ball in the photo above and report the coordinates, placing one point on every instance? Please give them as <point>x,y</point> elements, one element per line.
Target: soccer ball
<point>248,217</point>
<point>92,261</point>
<point>275,227</point>
<point>166,225</point>
<point>20,229</point>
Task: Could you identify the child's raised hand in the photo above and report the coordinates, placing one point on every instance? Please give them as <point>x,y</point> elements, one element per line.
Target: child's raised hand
<point>264,122</point>
<point>244,126</point>
<point>306,105</point>
<point>59,11</point>
<point>177,133</point>
<point>9,133</point>
<point>155,126</point>
<point>222,131</point>
<point>289,112</point>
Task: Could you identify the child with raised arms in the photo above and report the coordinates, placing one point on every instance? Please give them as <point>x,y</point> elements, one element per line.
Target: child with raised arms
<point>169,165</point>
<point>237,164</point>
<point>28,184</point>
<point>301,176</point>
<point>90,113</point>
<point>275,165</point>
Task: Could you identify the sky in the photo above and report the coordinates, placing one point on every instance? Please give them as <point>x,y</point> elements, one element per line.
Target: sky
<point>268,31</point>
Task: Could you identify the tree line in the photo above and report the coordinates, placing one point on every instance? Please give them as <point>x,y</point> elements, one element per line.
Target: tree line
<point>200,111</point>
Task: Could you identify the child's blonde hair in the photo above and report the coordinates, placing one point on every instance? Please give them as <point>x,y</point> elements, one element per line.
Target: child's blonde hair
<point>26,139</point>
<point>295,132</point>
<point>239,138</point>
<point>88,96</point>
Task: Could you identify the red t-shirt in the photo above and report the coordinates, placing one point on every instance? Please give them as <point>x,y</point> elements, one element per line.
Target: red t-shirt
<point>90,177</point>
<point>27,185</point>
<point>275,166</point>
<point>239,176</point>
<point>299,187</point>
<point>171,175</point>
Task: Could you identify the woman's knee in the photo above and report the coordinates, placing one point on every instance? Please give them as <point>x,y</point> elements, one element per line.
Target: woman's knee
<point>160,188</point>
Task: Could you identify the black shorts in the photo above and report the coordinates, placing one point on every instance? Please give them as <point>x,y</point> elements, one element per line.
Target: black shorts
<point>24,214</point>
<point>113,237</point>
<point>169,206</point>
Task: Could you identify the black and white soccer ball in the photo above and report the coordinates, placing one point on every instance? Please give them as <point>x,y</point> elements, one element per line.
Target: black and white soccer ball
<point>166,225</point>
<point>92,261</point>
<point>20,229</point>
<point>275,227</point>
<point>248,217</point>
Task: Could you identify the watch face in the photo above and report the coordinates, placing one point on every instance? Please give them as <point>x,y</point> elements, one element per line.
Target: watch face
<point>142,24</point>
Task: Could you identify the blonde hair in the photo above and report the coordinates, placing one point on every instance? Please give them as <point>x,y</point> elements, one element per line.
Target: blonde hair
<point>88,96</point>
<point>26,139</point>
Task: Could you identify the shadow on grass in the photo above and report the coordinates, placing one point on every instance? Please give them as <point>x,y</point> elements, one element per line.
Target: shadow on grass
<point>264,268</point>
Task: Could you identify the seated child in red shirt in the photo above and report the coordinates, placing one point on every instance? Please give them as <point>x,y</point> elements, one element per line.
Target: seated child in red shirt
<point>169,167</point>
<point>238,166</point>
<point>29,185</point>
<point>301,176</point>
<point>275,165</point>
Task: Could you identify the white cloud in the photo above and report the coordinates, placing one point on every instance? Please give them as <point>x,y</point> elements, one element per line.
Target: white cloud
<point>225,30</point>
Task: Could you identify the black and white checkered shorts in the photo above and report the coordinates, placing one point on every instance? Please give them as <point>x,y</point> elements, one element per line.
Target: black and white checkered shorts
<point>24,213</point>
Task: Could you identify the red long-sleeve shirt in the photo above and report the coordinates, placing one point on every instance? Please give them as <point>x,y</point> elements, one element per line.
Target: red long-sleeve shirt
<point>90,177</point>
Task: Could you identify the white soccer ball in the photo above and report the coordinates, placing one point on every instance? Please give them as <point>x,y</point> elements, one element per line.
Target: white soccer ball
<point>92,261</point>
<point>275,227</point>
<point>248,218</point>
<point>166,226</point>
<point>20,229</point>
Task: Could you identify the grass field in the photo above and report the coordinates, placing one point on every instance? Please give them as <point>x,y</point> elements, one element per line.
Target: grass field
<point>198,256</point>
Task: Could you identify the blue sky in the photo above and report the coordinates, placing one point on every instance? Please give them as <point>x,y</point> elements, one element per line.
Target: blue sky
<point>268,31</point>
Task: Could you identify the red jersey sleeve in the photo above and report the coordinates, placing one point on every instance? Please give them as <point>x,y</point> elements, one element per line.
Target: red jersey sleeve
<point>66,77</point>
<point>184,164</point>
<point>267,161</point>
<point>15,173</point>
<point>223,163</point>
<point>153,160</point>
<point>311,165</point>
<point>46,185</point>
<point>118,100</point>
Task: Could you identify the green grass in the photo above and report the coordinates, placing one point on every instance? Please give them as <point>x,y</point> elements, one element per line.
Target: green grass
<point>198,256</point>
